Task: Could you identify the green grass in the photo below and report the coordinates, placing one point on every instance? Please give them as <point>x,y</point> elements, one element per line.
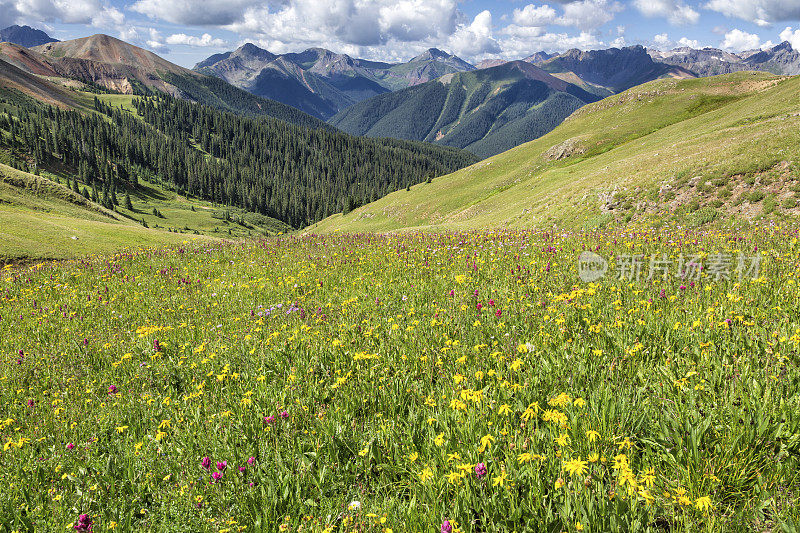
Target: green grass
<point>385,369</point>
<point>41,219</point>
<point>635,142</point>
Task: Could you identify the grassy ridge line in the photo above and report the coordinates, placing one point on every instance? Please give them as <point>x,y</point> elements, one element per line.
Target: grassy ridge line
<point>637,141</point>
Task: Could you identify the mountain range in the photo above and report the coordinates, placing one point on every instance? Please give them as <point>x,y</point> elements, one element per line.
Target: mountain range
<point>485,111</point>
<point>321,82</point>
<point>611,71</point>
<point>112,64</point>
<point>25,36</point>
<point>434,97</point>
<point>780,59</point>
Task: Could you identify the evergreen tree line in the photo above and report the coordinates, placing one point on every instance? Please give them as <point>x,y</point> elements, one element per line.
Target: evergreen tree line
<point>294,174</point>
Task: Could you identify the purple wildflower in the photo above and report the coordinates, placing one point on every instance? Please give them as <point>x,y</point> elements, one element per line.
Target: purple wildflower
<point>84,523</point>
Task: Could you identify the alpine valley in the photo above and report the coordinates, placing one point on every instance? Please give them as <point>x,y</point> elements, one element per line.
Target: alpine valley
<point>311,293</point>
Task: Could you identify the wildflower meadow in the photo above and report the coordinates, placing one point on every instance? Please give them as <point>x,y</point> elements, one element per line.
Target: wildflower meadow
<point>451,382</point>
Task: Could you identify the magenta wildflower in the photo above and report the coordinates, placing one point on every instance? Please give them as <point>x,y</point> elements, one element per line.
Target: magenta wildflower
<point>251,460</point>
<point>70,446</point>
<point>112,389</point>
<point>222,465</point>
<point>269,419</point>
<point>480,470</point>
<point>84,523</point>
<point>242,469</point>
<point>284,414</point>
<point>206,463</point>
<point>498,313</point>
<point>215,476</point>
<point>446,527</point>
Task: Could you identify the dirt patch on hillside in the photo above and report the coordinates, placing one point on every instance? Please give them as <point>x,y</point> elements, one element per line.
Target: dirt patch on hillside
<point>568,148</point>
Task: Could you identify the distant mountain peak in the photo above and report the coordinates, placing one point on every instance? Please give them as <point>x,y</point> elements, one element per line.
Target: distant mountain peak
<point>25,36</point>
<point>538,57</point>
<point>432,54</point>
<point>785,45</point>
<point>252,51</point>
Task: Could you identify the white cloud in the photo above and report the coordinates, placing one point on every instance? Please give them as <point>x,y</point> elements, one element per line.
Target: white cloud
<point>662,40</point>
<point>413,20</point>
<point>588,15</point>
<point>194,12</point>
<point>534,16</point>
<point>190,40</point>
<point>514,46</point>
<point>738,40</point>
<point>108,17</point>
<point>475,39</point>
<point>792,36</point>
<point>362,23</point>
<point>92,12</point>
<point>675,11</point>
<point>761,12</point>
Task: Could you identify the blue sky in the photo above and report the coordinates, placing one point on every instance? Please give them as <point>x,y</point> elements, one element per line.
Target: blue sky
<point>186,31</point>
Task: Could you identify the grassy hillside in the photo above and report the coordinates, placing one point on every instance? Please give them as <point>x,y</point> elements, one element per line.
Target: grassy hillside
<point>40,219</point>
<point>693,151</point>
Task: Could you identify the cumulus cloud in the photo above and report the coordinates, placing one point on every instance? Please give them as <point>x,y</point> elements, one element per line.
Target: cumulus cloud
<point>690,43</point>
<point>534,16</point>
<point>351,22</point>
<point>792,36</point>
<point>206,40</point>
<point>92,12</point>
<point>516,46</point>
<point>475,39</point>
<point>761,12</point>
<point>738,40</point>
<point>588,15</point>
<point>413,20</point>
<point>675,11</point>
<point>193,12</point>
<point>663,42</point>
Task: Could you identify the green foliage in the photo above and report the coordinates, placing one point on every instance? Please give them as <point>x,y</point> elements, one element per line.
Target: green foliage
<point>703,216</point>
<point>221,95</point>
<point>770,204</point>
